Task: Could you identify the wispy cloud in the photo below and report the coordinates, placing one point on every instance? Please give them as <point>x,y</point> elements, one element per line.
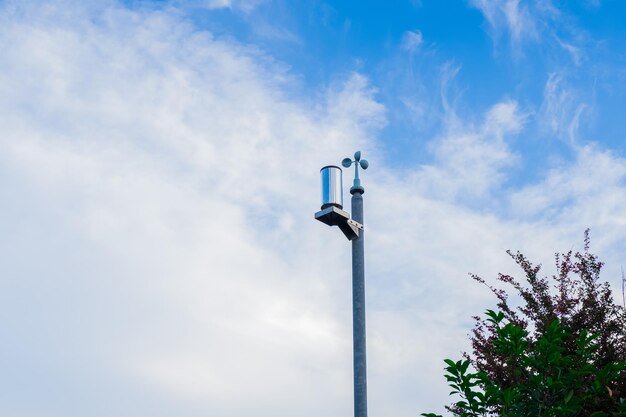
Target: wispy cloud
<point>471,160</point>
<point>575,52</point>
<point>243,5</point>
<point>449,71</point>
<point>539,23</point>
<point>589,190</point>
<point>510,17</point>
<point>275,33</point>
<point>562,108</point>
<point>412,39</point>
<point>179,162</point>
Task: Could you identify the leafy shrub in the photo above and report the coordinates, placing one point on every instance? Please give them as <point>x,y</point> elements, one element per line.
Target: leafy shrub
<point>561,353</point>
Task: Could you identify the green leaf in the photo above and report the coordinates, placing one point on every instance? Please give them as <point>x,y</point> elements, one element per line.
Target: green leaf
<point>450,362</point>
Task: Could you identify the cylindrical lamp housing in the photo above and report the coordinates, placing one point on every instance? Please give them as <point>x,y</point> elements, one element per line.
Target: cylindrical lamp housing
<point>332,187</point>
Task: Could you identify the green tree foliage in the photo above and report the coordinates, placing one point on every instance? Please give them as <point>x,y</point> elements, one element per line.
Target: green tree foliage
<point>562,352</point>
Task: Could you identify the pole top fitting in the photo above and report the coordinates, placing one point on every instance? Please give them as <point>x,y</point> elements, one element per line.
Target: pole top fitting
<point>347,162</point>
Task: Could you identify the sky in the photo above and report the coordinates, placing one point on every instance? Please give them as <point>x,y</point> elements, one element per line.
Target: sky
<point>159,172</point>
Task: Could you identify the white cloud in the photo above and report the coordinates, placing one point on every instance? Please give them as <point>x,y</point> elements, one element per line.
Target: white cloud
<point>561,108</point>
<point>595,174</point>
<point>471,162</point>
<point>412,39</point>
<point>188,177</point>
<point>216,4</point>
<point>509,16</point>
<point>517,18</point>
<point>541,22</point>
<point>576,53</point>
<point>449,71</point>
<point>275,33</point>
<point>243,5</point>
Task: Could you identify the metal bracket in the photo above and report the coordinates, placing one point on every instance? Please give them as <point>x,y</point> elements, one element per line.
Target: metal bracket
<point>334,216</point>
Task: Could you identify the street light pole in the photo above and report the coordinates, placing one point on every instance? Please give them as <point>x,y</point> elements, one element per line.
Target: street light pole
<point>332,214</point>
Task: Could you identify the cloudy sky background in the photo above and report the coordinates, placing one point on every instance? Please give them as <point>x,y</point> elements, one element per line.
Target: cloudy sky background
<point>159,171</point>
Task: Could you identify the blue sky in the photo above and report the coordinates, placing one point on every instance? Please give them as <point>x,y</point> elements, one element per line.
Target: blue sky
<point>159,171</point>
<point>579,42</point>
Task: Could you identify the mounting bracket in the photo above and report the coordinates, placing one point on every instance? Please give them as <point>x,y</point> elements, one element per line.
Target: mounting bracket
<point>334,216</point>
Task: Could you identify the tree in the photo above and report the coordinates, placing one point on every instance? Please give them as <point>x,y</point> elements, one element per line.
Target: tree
<point>561,352</point>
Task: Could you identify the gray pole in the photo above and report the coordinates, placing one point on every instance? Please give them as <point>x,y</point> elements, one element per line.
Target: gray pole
<point>358,306</point>
<point>333,215</point>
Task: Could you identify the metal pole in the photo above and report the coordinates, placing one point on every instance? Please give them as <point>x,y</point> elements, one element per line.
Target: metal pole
<point>333,215</point>
<point>358,307</point>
